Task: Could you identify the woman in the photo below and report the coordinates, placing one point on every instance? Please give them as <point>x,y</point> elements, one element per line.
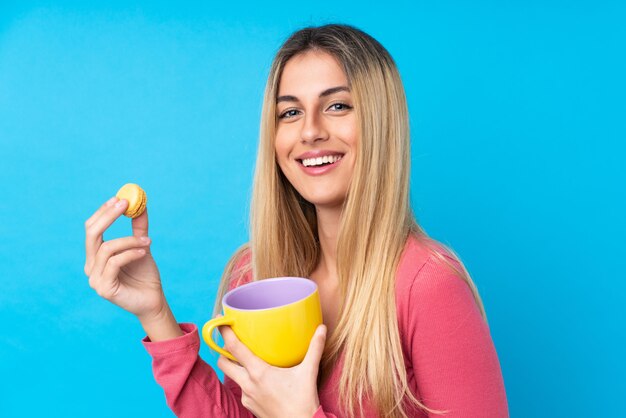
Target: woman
<point>405,331</point>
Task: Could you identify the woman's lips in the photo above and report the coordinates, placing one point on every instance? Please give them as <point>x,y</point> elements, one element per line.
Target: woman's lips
<point>319,169</point>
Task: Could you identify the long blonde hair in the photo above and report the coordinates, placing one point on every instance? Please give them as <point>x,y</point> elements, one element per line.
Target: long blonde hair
<point>376,221</point>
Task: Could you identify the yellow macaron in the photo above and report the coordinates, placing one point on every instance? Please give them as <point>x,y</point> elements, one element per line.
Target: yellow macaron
<point>136,198</point>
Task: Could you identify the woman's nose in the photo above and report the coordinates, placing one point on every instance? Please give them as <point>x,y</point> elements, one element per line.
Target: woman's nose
<point>313,129</point>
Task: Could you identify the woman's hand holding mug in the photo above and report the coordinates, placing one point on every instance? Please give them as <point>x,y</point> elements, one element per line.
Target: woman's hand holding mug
<point>274,392</point>
<point>273,342</point>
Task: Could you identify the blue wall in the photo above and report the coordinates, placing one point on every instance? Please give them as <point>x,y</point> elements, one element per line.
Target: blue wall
<point>518,128</point>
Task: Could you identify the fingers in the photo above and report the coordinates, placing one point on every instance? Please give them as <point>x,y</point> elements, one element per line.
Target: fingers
<point>99,212</point>
<point>91,245</point>
<point>140,224</point>
<point>316,349</point>
<point>110,248</point>
<point>106,284</point>
<point>242,353</point>
<point>231,369</point>
<point>95,227</point>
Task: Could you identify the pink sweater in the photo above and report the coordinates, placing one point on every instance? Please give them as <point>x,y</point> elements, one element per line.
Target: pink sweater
<point>450,359</point>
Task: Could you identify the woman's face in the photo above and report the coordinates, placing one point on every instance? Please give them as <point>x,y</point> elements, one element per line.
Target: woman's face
<point>317,132</point>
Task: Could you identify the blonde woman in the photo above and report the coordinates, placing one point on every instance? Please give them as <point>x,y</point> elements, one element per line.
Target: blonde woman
<point>405,332</point>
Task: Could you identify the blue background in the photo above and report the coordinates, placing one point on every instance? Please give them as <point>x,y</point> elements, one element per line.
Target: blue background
<point>518,129</point>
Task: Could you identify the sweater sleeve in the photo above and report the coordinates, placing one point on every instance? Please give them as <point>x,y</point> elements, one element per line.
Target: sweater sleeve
<point>191,386</point>
<point>454,359</point>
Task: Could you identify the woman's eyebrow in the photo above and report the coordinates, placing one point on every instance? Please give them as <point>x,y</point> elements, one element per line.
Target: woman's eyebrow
<point>326,92</point>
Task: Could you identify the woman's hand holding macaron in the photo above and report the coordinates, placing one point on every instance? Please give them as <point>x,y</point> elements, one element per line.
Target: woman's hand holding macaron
<point>122,270</point>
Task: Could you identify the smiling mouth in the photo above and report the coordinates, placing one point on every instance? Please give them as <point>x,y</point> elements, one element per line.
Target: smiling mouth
<point>320,161</point>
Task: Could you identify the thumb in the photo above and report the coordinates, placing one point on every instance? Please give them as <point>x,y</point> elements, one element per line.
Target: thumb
<point>316,348</point>
<point>140,224</point>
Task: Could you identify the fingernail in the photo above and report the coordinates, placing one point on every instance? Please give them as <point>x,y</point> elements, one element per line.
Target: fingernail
<point>111,201</point>
<point>119,204</point>
<point>145,239</point>
<point>322,331</point>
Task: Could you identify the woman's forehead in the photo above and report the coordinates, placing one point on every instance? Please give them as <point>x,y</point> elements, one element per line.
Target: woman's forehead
<point>310,73</point>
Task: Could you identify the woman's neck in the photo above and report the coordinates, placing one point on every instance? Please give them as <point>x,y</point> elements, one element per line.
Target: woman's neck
<point>328,220</point>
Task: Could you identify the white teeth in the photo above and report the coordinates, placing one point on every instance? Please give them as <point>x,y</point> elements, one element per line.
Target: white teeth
<point>308,162</point>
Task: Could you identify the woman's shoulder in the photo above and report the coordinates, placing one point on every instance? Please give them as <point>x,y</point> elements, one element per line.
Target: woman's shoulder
<point>417,252</point>
<point>240,265</point>
<point>431,288</point>
<point>426,263</point>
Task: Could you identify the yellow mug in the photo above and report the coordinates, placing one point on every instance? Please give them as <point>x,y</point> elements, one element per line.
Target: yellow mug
<point>275,318</point>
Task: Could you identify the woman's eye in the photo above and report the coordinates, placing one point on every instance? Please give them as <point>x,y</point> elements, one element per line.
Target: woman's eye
<point>288,114</point>
<point>343,105</point>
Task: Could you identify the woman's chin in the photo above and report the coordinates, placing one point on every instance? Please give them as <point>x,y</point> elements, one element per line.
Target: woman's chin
<point>325,202</point>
